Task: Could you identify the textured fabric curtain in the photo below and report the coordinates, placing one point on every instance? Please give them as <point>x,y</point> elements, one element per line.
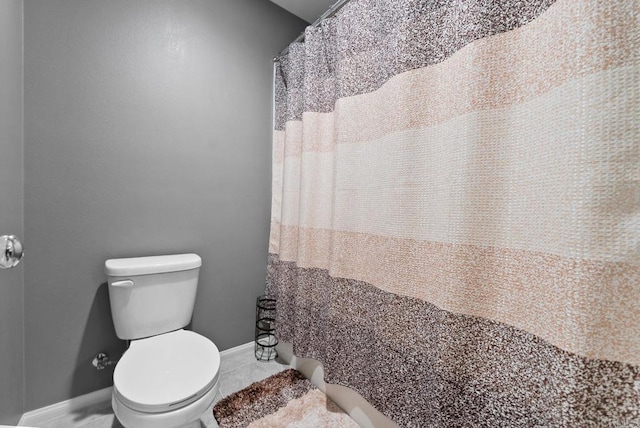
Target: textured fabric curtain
<point>456,209</point>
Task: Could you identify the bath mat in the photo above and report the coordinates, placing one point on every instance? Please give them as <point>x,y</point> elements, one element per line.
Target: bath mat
<point>286,399</point>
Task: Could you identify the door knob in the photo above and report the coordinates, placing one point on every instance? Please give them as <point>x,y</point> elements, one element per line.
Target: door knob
<point>11,251</point>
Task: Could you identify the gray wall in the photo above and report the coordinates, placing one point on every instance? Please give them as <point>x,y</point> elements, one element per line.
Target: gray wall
<point>11,217</point>
<point>147,131</point>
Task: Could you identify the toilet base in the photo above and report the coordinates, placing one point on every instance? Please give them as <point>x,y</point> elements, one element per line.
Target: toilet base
<point>185,417</point>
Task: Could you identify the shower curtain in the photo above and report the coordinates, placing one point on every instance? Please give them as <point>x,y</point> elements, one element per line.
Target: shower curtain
<point>456,209</point>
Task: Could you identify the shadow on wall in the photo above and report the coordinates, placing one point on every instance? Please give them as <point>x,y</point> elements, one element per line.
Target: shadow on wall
<point>99,336</point>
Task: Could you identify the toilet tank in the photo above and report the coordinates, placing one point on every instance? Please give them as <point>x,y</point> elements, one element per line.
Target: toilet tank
<point>152,295</point>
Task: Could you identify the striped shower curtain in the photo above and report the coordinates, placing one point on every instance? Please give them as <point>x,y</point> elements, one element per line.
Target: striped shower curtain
<point>456,209</point>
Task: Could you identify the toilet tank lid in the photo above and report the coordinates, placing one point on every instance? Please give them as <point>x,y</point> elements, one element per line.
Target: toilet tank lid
<point>150,265</point>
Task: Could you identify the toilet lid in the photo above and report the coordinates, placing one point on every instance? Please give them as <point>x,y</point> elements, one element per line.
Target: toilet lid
<point>166,372</point>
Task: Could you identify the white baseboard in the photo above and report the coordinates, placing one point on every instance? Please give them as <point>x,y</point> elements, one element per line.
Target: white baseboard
<point>232,352</point>
<point>44,414</point>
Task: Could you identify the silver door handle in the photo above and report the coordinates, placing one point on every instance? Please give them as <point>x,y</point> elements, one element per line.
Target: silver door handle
<point>11,251</point>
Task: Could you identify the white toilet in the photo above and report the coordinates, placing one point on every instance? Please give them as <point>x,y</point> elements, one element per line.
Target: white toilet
<point>169,376</point>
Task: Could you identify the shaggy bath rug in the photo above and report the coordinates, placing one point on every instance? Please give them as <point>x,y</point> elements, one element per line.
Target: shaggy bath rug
<point>286,399</point>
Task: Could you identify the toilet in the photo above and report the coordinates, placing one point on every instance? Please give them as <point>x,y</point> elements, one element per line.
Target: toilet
<point>168,377</point>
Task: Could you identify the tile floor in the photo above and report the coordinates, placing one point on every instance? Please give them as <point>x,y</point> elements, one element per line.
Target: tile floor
<point>236,372</point>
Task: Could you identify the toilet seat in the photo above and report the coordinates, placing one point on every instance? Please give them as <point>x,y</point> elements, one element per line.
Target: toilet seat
<point>166,372</point>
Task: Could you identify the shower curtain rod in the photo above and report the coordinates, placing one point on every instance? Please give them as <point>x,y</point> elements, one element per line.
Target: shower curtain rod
<point>328,14</point>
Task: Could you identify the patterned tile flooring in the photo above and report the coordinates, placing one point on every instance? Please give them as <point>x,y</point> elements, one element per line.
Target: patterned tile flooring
<point>236,372</point>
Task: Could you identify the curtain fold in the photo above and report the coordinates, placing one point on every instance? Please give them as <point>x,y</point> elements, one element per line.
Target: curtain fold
<point>455,228</point>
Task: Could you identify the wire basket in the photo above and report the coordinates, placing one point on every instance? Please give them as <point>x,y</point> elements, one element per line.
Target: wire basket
<point>265,337</point>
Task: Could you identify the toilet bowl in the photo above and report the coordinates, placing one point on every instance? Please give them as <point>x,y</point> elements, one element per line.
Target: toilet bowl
<point>169,376</point>
<point>166,381</point>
